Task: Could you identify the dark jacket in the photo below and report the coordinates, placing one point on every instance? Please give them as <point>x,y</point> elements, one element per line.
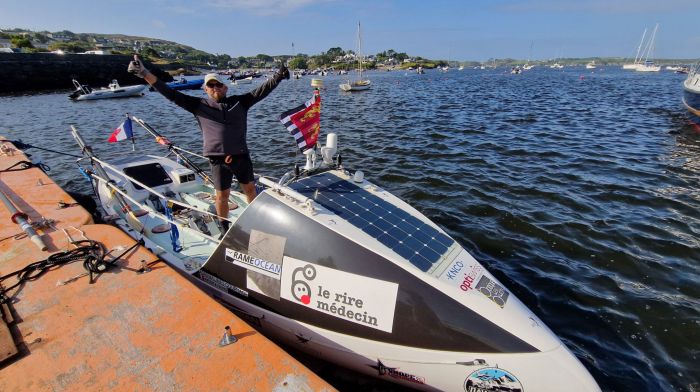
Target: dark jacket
<point>224,124</point>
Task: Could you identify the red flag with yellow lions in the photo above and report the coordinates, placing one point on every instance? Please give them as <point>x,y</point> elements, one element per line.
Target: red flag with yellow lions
<point>304,122</point>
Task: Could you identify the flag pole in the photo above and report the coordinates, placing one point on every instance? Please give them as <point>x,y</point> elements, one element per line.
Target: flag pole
<point>133,144</point>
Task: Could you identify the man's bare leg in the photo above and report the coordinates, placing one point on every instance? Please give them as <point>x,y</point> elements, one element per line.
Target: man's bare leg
<point>249,190</point>
<point>222,206</point>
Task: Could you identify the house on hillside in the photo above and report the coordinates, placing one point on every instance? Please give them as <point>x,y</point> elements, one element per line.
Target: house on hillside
<point>59,37</point>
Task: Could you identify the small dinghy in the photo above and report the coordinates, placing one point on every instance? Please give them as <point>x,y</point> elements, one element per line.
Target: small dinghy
<point>114,90</point>
<point>184,84</point>
<point>332,264</point>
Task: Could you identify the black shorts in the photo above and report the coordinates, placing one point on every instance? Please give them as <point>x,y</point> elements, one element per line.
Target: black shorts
<point>222,172</point>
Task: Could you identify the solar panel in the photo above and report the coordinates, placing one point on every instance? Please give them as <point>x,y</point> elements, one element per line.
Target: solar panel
<point>401,232</point>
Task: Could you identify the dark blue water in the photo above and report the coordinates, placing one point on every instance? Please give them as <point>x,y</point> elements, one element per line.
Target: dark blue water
<point>578,190</point>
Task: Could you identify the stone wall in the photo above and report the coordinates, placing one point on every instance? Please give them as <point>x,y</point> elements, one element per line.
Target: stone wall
<point>21,72</point>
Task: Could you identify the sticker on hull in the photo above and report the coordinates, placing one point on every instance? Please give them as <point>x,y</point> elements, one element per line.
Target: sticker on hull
<point>354,298</point>
<point>267,268</point>
<point>492,380</point>
<point>395,373</point>
<point>267,247</point>
<point>469,276</point>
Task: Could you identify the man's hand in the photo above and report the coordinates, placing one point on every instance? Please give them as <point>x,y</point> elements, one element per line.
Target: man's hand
<point>136,67</point>
<point>283,72</point>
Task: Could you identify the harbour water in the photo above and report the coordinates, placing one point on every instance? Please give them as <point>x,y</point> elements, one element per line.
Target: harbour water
<point>579,190</point>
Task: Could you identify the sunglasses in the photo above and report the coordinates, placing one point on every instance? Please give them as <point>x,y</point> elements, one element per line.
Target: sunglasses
<point>214,85</point>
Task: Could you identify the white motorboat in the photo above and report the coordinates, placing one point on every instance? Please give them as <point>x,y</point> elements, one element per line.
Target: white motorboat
<point>591,65</point>
<point>556,66</point>
<point>114,90</point>
<point>334,265</point>
<point>247,80</point>
<point>361,83</point>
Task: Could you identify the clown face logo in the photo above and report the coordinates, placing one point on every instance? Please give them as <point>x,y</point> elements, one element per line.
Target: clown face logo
<point>301,291</point>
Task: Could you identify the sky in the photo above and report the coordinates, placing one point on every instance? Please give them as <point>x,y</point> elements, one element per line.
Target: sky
<point>456,30</point>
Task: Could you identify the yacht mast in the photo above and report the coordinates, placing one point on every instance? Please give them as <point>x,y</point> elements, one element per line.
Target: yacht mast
<point>637,58</point>
<point>359,47</point>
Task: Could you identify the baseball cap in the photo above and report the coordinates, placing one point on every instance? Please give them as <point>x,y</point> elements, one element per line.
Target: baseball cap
<point>211,76</point>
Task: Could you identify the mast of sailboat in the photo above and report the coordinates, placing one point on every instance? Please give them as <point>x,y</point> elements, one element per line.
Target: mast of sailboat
<point>359,47</point>
<point>650,45</point>
<point>637,58</point>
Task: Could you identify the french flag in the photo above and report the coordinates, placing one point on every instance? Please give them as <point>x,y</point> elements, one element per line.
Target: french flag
<point>123,132</point>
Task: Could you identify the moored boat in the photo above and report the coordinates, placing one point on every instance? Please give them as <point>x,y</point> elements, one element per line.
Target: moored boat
<point>246,80</point>
<point>114,90</point>
<point>184,84</point>
<point>361,83</point>
<point>336,266</point>
<point>691,94</point>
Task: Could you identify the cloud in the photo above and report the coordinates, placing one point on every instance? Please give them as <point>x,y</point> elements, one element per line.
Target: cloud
<point>159,24</point>
<point>263,7</point>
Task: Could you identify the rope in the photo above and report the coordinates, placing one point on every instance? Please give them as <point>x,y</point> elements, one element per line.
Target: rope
<point>91,252</point>
<point>26,165</point>
<point>23,146</point>
<point>85,249</point>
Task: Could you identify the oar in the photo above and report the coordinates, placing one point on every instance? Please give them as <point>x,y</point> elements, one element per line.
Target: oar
<point>126,208</point>
<point>171,146</point>
<point>20,218</point>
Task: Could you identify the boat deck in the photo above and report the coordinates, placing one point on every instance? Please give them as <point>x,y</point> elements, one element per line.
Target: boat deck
<point>127,330</point>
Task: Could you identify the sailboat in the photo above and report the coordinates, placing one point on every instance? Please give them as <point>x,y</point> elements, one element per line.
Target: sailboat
<point>556,64</point>
<point>636,58</point>
<point>527,65</point>
<point>360,84</point>
<point>648,65</point>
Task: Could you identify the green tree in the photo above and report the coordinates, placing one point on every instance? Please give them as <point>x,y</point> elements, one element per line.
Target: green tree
<point>298,63</point>
<point>264,58</point>
<point>70,47</point>
<point>41,38</point>
<point>21,42</point>
<point>335,52</point>
<point>150,53</point>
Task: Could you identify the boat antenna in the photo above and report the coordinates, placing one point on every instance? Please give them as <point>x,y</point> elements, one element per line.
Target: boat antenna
<point>160,139</point>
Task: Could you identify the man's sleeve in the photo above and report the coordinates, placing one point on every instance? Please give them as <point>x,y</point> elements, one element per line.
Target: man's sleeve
<point>251,98</point>
<point>184,101</point>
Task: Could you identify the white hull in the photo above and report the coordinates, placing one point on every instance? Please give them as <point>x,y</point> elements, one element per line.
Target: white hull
<point>248,80</point>
<point>370,334</point>
<point>631,66</point>
<point>356,86</point>
<point>120,92</point>
<point>422,369</point>
<point>648,68</point>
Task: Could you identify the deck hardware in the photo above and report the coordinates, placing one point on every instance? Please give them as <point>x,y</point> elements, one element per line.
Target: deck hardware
<point>144,267</point>
<point>228,337</point>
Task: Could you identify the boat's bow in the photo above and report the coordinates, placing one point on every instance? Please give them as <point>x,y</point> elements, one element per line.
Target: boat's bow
<point>362,269</point>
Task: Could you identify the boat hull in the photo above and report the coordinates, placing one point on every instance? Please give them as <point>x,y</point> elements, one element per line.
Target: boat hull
<point>420,369</point>
<point>121,92</point>
<point>691,97</point>
<point>187,85</point>
<point>356,86</point>
<point>311,273</point>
